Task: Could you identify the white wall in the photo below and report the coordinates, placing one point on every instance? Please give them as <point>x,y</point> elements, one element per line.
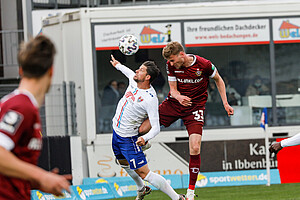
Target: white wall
<point>204,10</point>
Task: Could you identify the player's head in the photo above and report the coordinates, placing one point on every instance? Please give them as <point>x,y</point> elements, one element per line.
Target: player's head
<point>147,71</point>
<point>152,70</point>
<point>172,48</point>
<point>36,57</point>
<point>174,53</point>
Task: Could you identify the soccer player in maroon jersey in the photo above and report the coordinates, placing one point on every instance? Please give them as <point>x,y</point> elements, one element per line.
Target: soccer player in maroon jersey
<point>20,126</point>
<point>188,77</point>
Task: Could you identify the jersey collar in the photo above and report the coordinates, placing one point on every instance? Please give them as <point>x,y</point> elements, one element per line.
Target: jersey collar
<point>194,57</point>
<point>29,95</point>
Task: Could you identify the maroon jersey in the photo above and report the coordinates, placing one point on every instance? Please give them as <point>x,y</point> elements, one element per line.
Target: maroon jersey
<point>19,133</point>
<point>192,81</point>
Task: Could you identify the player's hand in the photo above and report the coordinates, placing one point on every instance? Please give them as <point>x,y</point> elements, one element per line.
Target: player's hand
<point>229,109</point>
<point>113,61</point>
<point>275,147</point>
<point>51,182</point>
<point>140,141</point>
<point>184,100</point>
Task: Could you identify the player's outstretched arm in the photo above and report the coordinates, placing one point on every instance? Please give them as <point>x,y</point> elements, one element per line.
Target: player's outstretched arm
<point>113,61</point>
<point>12,166</point>
<point>222,90</point>
<point>125,70</point>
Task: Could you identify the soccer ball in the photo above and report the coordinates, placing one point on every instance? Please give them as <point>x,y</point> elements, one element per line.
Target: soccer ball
<point>128,44</point>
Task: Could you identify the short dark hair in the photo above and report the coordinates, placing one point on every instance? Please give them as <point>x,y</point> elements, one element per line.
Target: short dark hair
<point>152,70</point>
<point>36,56</point>
<point>172,48</point>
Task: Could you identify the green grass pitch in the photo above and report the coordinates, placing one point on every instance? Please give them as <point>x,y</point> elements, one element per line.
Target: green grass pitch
<point>255,192</point>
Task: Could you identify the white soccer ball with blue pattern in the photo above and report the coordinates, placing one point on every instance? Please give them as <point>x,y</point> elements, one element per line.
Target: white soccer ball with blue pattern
<point>128,44</point>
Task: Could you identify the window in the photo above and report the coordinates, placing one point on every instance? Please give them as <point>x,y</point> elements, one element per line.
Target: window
<point>245,69</point>
<point>112,83</point>
<point>246,73</point>
<point>287,83</point>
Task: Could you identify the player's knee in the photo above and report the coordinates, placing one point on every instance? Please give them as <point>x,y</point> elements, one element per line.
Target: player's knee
<point>195,148</point>
<point>143,171</point>
<point>142,174</point>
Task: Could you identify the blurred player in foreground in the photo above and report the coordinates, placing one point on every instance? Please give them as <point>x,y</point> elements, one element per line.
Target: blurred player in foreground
<point>188,77</point>
<point>20,134</point>
<point>292,141</point>
<point>139,102</point>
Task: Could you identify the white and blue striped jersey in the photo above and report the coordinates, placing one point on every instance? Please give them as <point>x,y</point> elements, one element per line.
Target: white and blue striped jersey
<point>134,107</point>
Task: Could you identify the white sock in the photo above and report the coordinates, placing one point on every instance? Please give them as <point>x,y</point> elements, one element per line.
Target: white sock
<point>137,179</point>
<point>161,183</point>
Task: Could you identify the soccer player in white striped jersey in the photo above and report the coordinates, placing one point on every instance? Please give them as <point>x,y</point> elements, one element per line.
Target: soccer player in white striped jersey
<point>139,102</point>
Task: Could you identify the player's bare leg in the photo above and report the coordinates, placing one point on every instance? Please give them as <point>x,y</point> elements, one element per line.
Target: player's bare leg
<point>194,164</point>
<point>158,181</point>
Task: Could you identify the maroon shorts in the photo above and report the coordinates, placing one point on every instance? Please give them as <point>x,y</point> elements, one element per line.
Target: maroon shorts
<point>192,116</point>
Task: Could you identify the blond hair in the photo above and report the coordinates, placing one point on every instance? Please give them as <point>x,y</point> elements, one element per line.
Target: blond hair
<point>172,48</point>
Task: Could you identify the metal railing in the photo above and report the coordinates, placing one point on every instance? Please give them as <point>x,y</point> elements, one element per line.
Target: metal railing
<point>60,110</point>
<point>58,114</point>
<point>9,42</point>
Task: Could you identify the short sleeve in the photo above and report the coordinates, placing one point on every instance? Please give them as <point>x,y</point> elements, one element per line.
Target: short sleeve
<point>170,72</point>
<point>15,121</point>
<point>208,68</point>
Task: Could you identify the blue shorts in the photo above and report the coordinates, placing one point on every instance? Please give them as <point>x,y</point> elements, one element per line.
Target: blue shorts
<point>126,148</point>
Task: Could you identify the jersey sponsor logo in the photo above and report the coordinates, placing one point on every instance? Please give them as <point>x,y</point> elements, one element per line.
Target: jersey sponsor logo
<point>11,121</point>
<point>189,80</point>
<point>179,72</point>
<point>129,95</point>
<point>35,144</point>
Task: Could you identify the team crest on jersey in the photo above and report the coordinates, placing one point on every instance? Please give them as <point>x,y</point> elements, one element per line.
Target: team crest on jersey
<point>198,72</point>
<point>10,122</point>
<point>140,99</point>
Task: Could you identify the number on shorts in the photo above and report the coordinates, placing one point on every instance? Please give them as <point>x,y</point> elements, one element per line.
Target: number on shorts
<point>133,162</point>
<point>198,115</point>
